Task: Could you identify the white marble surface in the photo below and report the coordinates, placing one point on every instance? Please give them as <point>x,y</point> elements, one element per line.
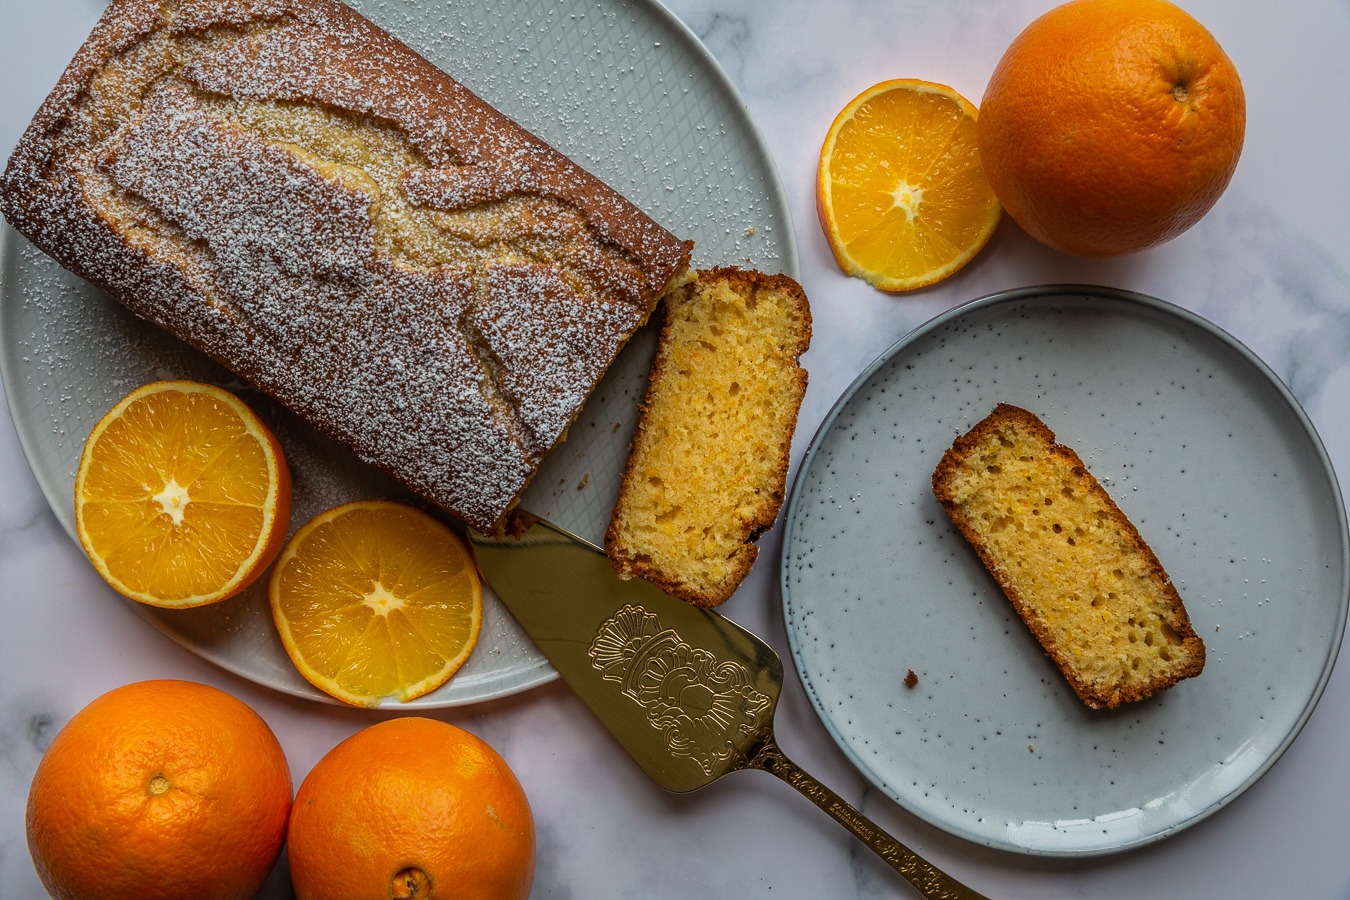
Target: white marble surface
<point>1270,264</point>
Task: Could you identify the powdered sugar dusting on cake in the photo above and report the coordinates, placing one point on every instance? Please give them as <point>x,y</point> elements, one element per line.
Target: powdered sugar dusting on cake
<point>447,339</point>
<point>550,343</point>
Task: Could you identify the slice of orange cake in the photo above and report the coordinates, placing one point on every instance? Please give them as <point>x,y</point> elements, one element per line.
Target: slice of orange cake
<point>707,469</point>
<point>1073,566</point>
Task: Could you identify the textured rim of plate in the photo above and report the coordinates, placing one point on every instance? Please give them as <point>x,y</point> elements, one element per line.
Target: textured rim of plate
<point>543,672</point>
<point>791,265</point>
<point>1012,296</point>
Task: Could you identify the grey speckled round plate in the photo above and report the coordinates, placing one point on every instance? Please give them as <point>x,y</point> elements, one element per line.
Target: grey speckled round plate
<point>1206,452</point>
<point>622,87</point>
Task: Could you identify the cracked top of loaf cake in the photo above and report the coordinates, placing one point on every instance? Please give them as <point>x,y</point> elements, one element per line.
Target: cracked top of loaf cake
<point>288,188</point>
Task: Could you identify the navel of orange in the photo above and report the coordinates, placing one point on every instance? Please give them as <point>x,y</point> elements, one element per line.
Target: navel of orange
<point>900,191</point>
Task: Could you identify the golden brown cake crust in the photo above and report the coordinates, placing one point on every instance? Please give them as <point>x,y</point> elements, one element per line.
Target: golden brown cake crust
<point>290,189</point>
<point>1095,694</point>
<point>623,547</point>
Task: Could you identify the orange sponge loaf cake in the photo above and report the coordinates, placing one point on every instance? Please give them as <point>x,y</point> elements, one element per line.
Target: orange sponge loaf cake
<point>285,186</point>
<point>1074,567</point>
<point>707,469</point>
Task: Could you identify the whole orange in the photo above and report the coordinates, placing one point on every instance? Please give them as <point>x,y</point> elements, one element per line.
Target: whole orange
<point>411,807</point>
<point>1110,126</point>
<point>161,789</point>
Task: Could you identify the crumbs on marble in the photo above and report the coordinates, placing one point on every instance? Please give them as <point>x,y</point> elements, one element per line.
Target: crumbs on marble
<point>749,232</point>
<point>911,680</point>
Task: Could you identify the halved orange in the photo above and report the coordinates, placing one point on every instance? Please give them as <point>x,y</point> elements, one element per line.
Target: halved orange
<point>376,599</point>
<point>182,496</point>
<point>900,191</point>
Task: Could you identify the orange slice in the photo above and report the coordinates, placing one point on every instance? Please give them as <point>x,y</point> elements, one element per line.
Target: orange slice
<point>376,599</point>
<point>900,191</point>
<point>182,496</point>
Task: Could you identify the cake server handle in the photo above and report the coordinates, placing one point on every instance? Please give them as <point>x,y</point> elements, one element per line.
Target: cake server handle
<point>928,879</point>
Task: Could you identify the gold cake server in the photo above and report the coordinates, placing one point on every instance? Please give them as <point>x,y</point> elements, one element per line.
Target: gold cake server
<point>688,693</point>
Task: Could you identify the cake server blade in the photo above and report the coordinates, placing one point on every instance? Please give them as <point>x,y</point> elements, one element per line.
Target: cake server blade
<point>687,692</point>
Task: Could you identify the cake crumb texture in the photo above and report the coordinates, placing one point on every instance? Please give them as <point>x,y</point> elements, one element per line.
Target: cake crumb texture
<point>1073,566</point>
<point>707,470</point>
<point>288,188</point>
